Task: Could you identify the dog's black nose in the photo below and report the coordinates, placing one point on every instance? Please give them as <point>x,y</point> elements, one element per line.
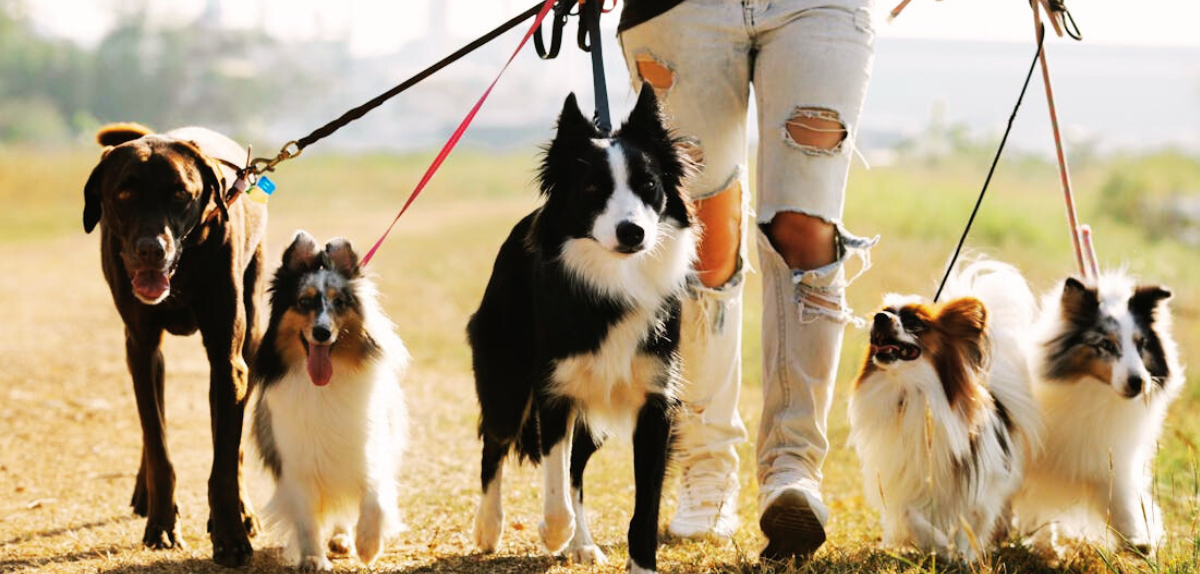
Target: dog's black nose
<point>150,250</point>
<point>630,234</point>
<point>320,334</point>
<point>1134,386</point>
<point>882,320</point>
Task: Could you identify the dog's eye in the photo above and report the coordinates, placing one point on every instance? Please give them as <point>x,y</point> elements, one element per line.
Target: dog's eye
<point>650,186</point>
<point>307,303</point>
<point>1140,342</point>
<point>124,195</point>
<point>339,303</point>
<point>1106,347</point>
<point>911,323</point>
<point>182,196</point>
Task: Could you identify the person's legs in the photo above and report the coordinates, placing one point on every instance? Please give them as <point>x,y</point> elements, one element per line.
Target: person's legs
<point>810,79</point>
<point>697,58</point>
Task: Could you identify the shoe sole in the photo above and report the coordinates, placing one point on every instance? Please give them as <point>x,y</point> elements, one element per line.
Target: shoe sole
<point>792,529</point>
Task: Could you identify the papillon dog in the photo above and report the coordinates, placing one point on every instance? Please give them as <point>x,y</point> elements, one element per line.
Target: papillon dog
<point>1107,369</point>
<point>941,414</point>
<point>330,421</point>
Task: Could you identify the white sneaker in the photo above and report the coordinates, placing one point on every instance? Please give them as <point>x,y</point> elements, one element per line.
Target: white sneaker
<point>707,502</point>
<point>793,521</point>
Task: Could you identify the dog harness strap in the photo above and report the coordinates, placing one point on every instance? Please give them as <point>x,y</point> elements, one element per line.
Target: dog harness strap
<point>458,132</point>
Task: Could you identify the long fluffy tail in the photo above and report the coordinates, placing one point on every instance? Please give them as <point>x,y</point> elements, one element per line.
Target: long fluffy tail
<point>1001,287</point>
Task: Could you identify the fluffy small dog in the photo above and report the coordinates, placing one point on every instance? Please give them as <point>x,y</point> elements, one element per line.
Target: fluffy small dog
<point>1108,369</point>
<point>330,421</point>
<point>942,415</point>
<point>578,330</point>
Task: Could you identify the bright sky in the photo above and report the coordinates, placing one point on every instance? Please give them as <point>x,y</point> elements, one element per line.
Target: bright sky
<point>382,26</point>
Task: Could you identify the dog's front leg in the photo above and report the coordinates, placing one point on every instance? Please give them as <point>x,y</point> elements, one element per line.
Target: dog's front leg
<point>558,519</point>
<point>1133,515</point>
<point>582,549</point>
<point>156,476</point>
<point>224,332</point>
<point>651,451</point>
<point>925,536</point>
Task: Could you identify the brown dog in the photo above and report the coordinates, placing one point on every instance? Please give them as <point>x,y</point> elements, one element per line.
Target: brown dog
<point>181,253</point>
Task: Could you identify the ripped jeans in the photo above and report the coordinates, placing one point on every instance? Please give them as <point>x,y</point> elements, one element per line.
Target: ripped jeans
<point>809,63</point>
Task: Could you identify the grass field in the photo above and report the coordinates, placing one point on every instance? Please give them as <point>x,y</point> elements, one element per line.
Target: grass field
<point>69,434</point>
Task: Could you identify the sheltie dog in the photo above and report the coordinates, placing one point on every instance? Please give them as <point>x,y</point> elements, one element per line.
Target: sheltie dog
<point>330,421</point>
<point>942,414</point>
<point>577,334</point>
<point>1107,371</point>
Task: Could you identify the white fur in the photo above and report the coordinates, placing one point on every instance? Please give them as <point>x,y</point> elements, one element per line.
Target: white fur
<point>340,447</point>
<point>909,452</point>
<point>1095,469</point>
<point>611,383</point>
<point>623,205</point>
<point>558,518</point>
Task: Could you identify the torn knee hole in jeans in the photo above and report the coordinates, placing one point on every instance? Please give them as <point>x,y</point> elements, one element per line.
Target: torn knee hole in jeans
<point>815,131</point>
<point>660,76</point>
<point>820,292</point>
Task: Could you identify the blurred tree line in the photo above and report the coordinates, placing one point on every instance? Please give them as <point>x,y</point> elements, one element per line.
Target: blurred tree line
<point>53,91</point>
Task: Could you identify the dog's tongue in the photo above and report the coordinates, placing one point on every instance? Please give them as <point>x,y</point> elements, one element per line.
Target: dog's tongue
<point>320,368</point>
<point>151,284</point>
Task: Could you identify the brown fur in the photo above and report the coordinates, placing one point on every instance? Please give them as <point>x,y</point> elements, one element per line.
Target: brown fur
<point>168,189</point>
<point>119,133</point>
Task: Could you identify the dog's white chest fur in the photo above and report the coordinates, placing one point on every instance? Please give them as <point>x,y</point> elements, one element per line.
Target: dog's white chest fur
<point>610,384</point>
<point>340,439</point>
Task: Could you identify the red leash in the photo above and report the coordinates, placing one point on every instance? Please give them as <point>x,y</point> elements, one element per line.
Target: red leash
<point>458,133</point>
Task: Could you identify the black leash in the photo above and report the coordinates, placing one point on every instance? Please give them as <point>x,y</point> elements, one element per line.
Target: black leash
<point>995,160</point>
<point>588,40</point>
<point>293,148</point>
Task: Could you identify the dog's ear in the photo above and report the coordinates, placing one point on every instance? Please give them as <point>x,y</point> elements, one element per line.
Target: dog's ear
<point>1147,298</point>
<point>119,133</point>
<point>1080,303</point>
<point>93,196</point>
<point>646,124</point>
<point>302,253</point>
<point>213,180</point>
<point>342,256</point>
<point>965,317</point>
<point>965,320</point>
<point>572,124</point>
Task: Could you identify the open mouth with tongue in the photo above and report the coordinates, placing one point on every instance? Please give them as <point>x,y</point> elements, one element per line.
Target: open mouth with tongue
<point>889,349</point>
<point>151,285</point>
<point>320,366</point>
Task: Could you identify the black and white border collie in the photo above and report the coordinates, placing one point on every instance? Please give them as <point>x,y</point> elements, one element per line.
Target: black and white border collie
<point>330,422</point>
<point>1108,369</point>
<point>577,334</point>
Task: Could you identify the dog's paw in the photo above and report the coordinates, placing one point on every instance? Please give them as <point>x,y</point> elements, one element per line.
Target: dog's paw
<point>162,534</point>
<point>632,568</point>
<point>369,549</point>
<point>487,531</point>
<point>231,551</point>
<point>556,531</point>
<point>315,564</point>
<point>341,544</point>
<point>587,555</point>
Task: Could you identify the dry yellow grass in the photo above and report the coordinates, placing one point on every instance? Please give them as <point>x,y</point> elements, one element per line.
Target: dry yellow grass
<point>70,440</point>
